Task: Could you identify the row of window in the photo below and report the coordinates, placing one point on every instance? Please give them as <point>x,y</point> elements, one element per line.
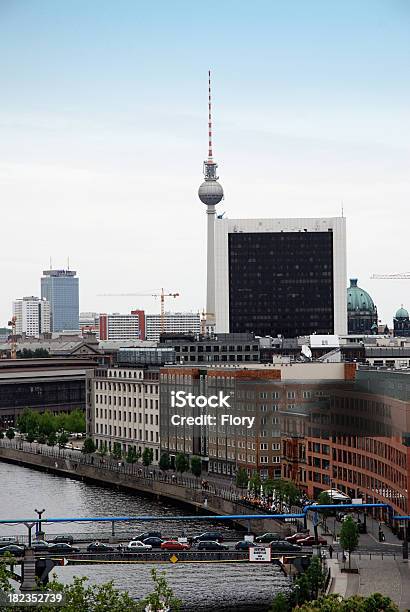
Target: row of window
<point>131,417</point>
<point>123,387</point>
<point>127,432</point>
<point>124,401</point>
<point>216,348</point>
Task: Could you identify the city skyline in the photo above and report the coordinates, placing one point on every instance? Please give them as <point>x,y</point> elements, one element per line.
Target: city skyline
<point>96,137</point>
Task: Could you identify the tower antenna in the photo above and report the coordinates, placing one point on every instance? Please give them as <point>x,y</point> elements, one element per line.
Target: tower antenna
<point>209,118</point>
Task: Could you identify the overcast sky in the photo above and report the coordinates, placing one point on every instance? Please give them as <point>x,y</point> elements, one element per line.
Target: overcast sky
<point>103,129</point>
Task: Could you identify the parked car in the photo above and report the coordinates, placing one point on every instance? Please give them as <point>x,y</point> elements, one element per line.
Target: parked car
<point>147,534</point>
<point>174,545</point>
<point>244,545</point>
<point>100,547</point>
<point>267,537</point>
<point>154,542</point>
<point>296,537</point>
<point>8,541</point>
<point>13,549</point>
<point>283,546</point>
<point>65,538</point>
<point>311,541</point>
<point>208,545</point>
<point>208,536</point>
<point>63,548</point>
<point>138,546</point>
<point>41,545</point>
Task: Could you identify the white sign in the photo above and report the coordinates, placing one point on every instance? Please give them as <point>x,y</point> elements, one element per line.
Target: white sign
<point>357,500</point>
<point>260,553</point>
<point>249,538</point>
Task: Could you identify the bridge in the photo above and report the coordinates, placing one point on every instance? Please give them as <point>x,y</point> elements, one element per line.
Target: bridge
<point>35,566</point>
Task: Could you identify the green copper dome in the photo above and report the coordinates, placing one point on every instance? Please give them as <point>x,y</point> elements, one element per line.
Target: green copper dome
<point>358,299</point>
<point>402,313</point>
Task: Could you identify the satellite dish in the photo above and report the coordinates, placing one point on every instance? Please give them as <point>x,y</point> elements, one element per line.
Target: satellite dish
<point>306,352</point>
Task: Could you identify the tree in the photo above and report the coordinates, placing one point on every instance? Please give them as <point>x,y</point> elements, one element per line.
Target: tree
<point>41,439</point>
<point>280,604</point>
<point>10,433</point>
<point>181,463</point>
<point>336,603</point>
<point>349,536</point>
<point>46,423</point>
<point>256,482</point>
<point>324,499</point>
<point>162,598</point>
<point>28,421</point>
<point>117,450</point>
<point>62,439</point>
<point>52,439</point>
<point>75,422</point>
<point>147,456</point>
<point>315,577</point>
<point>242,478</point>
<point>88,446</point>
<point>164,462</point>
<point>79,596</point>
<point>291,493</point>
<point>196,466</point>
<point>103,450</point>
<point>132,456</point>
<point>1,435</point>
<point>30,437</point>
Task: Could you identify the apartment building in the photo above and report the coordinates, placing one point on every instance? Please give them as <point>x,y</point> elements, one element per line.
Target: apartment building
<point>32,316</point>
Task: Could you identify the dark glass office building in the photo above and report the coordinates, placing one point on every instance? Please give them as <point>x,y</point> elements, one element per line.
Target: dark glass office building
<point>281,283</point>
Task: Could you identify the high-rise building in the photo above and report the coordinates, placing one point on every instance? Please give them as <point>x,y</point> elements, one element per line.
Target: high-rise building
<point>174,323</point>
<point>32,316</point>
<point>272,277</point>
<point>280,276</point>
<point>118,326</point>
<point>61,289</point>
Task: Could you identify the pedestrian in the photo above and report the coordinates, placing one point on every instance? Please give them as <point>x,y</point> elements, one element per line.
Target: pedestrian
<point>331,551</point>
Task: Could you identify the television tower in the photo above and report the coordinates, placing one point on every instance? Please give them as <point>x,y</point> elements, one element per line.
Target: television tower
<point>210,193</point>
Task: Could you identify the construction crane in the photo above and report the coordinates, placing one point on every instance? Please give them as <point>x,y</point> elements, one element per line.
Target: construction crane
<point>161,295</point>
<point>399,276</point>
<point>13,341</point>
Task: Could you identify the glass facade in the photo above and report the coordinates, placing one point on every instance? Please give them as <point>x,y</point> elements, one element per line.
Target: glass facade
<point>281,283</point>
<point>60,288</point>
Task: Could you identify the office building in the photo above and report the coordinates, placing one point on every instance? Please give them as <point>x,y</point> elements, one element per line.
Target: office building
<point>32,316</point>
<point>55,385</point>
<point>266,394</point>
<point>229,348</point>
<point>282,277</point>
<point>123,408</point>
<point>118,326</point>
<point>365,451</point>
<point>61,289</point>
<point>174,323</point>
<point>89,322</point>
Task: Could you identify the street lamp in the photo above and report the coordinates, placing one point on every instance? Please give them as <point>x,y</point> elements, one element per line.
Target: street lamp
<point>39,533</point>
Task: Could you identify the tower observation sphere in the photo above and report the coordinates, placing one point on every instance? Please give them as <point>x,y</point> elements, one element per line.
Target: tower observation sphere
<point>210,192</point>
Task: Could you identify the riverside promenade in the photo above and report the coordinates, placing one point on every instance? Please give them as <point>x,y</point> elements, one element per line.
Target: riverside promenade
<point>214,497</point>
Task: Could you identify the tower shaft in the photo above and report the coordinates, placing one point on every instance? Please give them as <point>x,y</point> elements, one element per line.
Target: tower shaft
<point>210,268</point>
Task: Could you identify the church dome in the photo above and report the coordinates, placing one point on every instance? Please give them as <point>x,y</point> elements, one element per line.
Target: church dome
<point>358,299</point>
<point>402,313</point>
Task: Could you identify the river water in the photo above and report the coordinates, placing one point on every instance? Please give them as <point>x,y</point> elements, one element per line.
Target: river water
<point>213,587</point>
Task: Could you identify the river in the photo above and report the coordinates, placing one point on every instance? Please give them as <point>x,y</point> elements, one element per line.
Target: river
<point>213,587</point>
